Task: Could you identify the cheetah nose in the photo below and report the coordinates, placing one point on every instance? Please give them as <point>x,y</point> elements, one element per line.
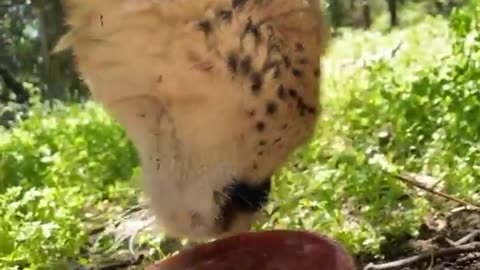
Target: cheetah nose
<point>243,197</point>
<point>248,197</point>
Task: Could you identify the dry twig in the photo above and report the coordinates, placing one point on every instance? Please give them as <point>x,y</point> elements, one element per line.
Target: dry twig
<point>466,239</point>
<point>410,181</point>
<point>468,248</point>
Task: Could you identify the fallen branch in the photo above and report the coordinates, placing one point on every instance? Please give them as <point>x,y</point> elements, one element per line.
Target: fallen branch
<point>403,176</point>
<point>466,239</point>
<point>468,248</point>
<point>22,96</point>
<point>409,180</point>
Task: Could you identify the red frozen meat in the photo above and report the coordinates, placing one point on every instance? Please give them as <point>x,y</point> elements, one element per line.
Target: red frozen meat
<point>267,250</point>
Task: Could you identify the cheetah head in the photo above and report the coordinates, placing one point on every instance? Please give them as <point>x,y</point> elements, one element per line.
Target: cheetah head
<point>214,94</point>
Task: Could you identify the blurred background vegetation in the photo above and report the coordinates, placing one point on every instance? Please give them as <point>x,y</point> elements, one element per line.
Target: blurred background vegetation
<point>401,94</point>
<point>29,30</point>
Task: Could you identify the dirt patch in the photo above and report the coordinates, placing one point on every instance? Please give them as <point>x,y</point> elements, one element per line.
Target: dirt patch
<point>448,241</point>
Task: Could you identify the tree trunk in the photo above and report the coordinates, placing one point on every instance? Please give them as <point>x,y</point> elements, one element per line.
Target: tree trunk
<point>337,13</point>
<point>12,85</point>
<point>367,15</point>
<point>392,9</point>
<point>58,71</point>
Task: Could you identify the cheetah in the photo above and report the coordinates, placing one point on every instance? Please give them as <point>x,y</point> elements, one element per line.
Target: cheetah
<point>214,94</point>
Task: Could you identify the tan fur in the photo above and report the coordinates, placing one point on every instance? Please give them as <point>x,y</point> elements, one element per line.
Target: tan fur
<point>189,115</point>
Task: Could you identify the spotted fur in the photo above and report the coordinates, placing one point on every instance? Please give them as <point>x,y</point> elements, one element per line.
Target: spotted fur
<point>215,95</point>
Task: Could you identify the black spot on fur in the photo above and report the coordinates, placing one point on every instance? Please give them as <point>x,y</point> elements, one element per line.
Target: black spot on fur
<point>143,115</point>
<point>271,107</point>
<point>302,108</point>
<point>277,140</point>
<point>270,32</point>
<point>311,110</point>
<point>274,48</point>
<point>276,73</point>
<point>251,28</point>
<point>293,93</point>
<point>260,153</point>
<point>251,113</point>
<point>316,72</point>
<point>245,65</point>
<point>238,3</point>
<point>262,143</point>
<point>257,81</point>
<point>260,126</point>
<point>232,62</point>
<point>303,61</point>
<point>297,73</point>
<point>287,61</point>
<point>158,163</point>
<point>299,47</point>
<point>281,92</point>
<point>205,26</point>
<point>225,15</point>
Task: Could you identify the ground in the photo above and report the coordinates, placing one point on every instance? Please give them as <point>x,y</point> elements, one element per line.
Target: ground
<point>460,225</point>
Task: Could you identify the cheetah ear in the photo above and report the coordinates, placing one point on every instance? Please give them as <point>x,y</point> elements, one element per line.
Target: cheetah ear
<point>324,33</point>
<point>87,7</point>
<point>315,4</point>
<point>316,14</point>
<point>64,43</point>
<point>79,13</point>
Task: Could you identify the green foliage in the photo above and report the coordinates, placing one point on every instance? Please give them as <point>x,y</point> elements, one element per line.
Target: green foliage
<point>417,108</point>
<point>28,33</point>
<point>40,225</point>
<point>54,167</point>
<point>431,114</point>
<point>77,144</point>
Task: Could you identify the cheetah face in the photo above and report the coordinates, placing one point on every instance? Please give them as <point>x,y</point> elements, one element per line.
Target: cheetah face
<point>214,94</point>
<point>207,172</point>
